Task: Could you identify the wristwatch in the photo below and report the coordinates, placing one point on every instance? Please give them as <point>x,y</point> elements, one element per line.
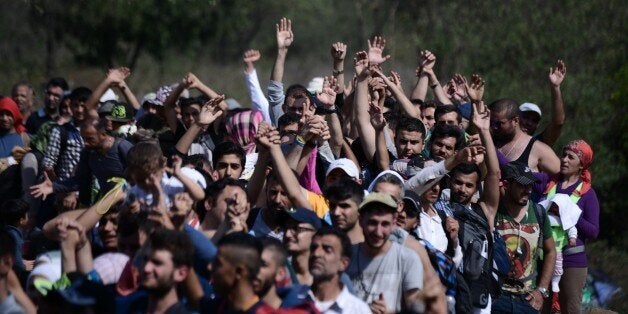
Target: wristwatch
<point>543,292</point>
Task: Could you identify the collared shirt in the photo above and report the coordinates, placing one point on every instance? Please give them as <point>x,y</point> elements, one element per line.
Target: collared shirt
<point>345,303</point>
<point>431,230</point>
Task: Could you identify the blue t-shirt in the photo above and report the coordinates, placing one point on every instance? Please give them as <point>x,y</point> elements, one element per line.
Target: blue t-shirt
<point>7,142</point>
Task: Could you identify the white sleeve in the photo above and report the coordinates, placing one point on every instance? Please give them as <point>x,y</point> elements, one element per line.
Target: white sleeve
<point>572,232</point>
<point>258,99</point>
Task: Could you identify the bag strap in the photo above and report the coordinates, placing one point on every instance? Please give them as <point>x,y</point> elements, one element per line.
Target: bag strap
<point>539,212</point>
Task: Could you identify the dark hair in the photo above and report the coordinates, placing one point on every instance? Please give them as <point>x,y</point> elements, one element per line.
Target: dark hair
<point>247,251</point>
<point>431,104</point>
<point>13,210</point>
<point>146,156</point>
<point>215,188</point>
<point>345,243</point>
<point>510,106</point>
<point>80,94</point>
<point>176,242</point>
<point>58,82</point>
<point>410,125</point>
<point>445,109</point>
<point>343,189</point>
<point>390,103</point>
<point>445,130</point>
<point>228,148</point>
<point>280,255</point>
<point>467,169</point>
<point>7,243</point>
<point>287,119</point>
<point>129,223</point>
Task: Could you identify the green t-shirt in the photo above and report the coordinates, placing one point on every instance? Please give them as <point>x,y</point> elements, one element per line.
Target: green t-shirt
<point>521,243</point>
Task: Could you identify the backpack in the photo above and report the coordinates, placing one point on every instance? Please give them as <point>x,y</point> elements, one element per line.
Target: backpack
<point>477,243</point>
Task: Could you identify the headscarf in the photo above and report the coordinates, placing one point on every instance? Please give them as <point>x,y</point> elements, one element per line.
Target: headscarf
<point>242,127</point>
<point>7,104</point>
<point>585,153</point>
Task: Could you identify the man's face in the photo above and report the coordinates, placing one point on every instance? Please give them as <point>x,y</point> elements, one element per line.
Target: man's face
<point>158,272</point>
<point>344,214</point>
<point>463,186</point>
<point>108,231</point>
<point>298,236</point>
<point>189,114</point>
<point>7,123</point>
<point>407,220</point>
<point>450,118</point>
<point>78,110</point>
<point>53,97</point>
<point>219,210</point>
<point>276,197</point>
<point>299,102</point>
<point>268,272</point>
<point>223,272</point>
<point>408,143</point>
<point>229,166</point>
<point>431,196</point>
<point>518,193</point>
<point>442,148</point>
<point>92,138</point>
<point>326,260</point>
<point>529,121</point>
<point>427,115</point>
<point>23,96</point>
<point>377,226</point>
<point>503,127</point>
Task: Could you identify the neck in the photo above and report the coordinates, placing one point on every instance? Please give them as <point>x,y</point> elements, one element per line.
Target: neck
<point>375,251</point>
<point>50,112</point>
<point>355,234</point>
<point>271,298</point>
<point>159,304</point>
<point>515,209</point>
<point>571,179</point>
<point>242,297</point>
<point>327,290</point>
<point>427,208</point>
<point>209,225</point>
<point>300,264</point>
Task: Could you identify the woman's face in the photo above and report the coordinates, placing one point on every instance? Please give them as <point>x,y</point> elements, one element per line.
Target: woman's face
<point>569,163</point>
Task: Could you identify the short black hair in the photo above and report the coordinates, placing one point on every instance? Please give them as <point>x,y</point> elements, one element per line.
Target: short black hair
<point>445,109</point>
<point>278,248</point>
<point>445,130</point>
<point>431,104</point>
<point>345,243</point>
<point>7,243</point>
<point>248,251</point>
<point>80,93</point>
<point>410,125</point>
<point>343,189</point>
<point>287,119</point>
<point>176,242</point>
<point>228,148</point>
<point>505,104</point>
<point>215,188</point>
<point>58,82</point>
<point>465,168</point>
<point>13,210</point>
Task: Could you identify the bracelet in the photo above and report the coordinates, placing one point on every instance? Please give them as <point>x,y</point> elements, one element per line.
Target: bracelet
<point>338,72</point>
<point>300,140</point>
<point>435,84</point>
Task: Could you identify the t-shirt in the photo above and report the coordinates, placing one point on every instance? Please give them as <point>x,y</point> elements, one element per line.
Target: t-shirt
<point>345,303</point>
<point>7,142</point>
<point>392,273</point>
<point>318,203</point>
<point>521,243</point>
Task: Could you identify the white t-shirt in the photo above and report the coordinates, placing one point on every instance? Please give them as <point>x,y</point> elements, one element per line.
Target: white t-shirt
<point>345,303</point>
<point>170,185</point>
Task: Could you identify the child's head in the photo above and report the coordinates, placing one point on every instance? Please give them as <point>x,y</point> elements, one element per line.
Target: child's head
<point>14,212</point>
<point>143,160</point>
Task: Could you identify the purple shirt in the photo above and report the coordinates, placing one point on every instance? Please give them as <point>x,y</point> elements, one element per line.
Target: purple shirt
<point>588,224</point>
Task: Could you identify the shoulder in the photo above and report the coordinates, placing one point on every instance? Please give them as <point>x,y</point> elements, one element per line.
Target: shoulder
<point>542,148</point>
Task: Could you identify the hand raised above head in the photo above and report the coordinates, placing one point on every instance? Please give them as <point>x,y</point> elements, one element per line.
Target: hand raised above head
<point>251,56</point>
<point>557,75</point>
<point>338,51</point>
<point>376,50</point>
<point>284,33</point>
<point>361,63</point>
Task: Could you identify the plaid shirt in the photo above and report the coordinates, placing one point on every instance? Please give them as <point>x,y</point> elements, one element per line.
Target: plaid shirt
<point>64,161</point>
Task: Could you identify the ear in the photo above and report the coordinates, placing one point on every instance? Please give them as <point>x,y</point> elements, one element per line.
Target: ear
<point>280,275</point>
<point>241,272</point>
<point>215,176</point>
<point>181,273</point>
<point>344,263</point>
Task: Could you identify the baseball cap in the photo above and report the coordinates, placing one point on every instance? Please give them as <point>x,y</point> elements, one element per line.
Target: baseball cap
<point>346,165</point>
<point>106,108</point>
<point>108,95</point>
<point>528,106</point>
<point>379,198</point>
<point>304,215</point>
<point>412,200</point>
<point>150,98</point>
<point>519,172</point>
<point>121,112</point>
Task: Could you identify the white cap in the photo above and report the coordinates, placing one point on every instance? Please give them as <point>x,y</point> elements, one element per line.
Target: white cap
<point>528,106</point>
<point>315,85</point>
<point>346,165</point>
<point>109,95</point>
<point>149,97</point>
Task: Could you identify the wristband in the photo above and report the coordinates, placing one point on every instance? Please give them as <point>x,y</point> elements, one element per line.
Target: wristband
<point>338,72</point>
<point>300,140</point>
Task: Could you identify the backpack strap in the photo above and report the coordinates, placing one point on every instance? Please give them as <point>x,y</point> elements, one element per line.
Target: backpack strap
<point>539,212</point>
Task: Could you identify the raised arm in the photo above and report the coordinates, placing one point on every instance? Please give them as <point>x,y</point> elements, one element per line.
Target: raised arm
<point>209,113</point>
<point>376,50</point>
<point>284,40</point>
<point>328,98</point>
<point>553,130</point>
<point>338,53</point>
<point>361,104</point>
<point>129,96</point>
<point>420,88</point>
<point>434,84</point>
<point>258,99</point>
<point>490,194</point>
<point>379,123</point>
<point>113,78</point>
<point>394,85</point>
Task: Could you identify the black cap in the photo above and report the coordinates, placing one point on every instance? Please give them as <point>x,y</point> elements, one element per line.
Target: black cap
<point>304,215</point>
<point>121,112</point>
<point>412,200</point>
<point>519,172</point>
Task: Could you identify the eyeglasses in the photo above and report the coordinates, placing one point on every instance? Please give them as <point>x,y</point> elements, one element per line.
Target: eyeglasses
<point>299,229</point>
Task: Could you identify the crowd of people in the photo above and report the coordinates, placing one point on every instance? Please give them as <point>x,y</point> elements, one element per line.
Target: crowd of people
<point>348,195</point>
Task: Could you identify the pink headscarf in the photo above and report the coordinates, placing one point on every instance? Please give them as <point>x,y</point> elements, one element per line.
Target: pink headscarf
<point>242,127</point>
<point>585,153</point>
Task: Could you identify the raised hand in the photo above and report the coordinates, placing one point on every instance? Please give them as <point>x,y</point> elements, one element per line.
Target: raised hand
<point>312,127</point>
<point>557,74</point>
<point>210,111</point>
<point>471,154</point>
<point>377,117</point>
<point>378,306</point>
<point>481,116</point>
<point>117,76</point>
<point>460,91</point>
<point>284,33</point>
<point>191,81</point>
<point>327,96</point>
<point>361,64</point>
<point>43,189</point>
<point>376,49</point>
<point>476,89</point>
<point>267,136</point>
<point>338,51</point>
<point>251,56</point>
<point>428,60</point>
